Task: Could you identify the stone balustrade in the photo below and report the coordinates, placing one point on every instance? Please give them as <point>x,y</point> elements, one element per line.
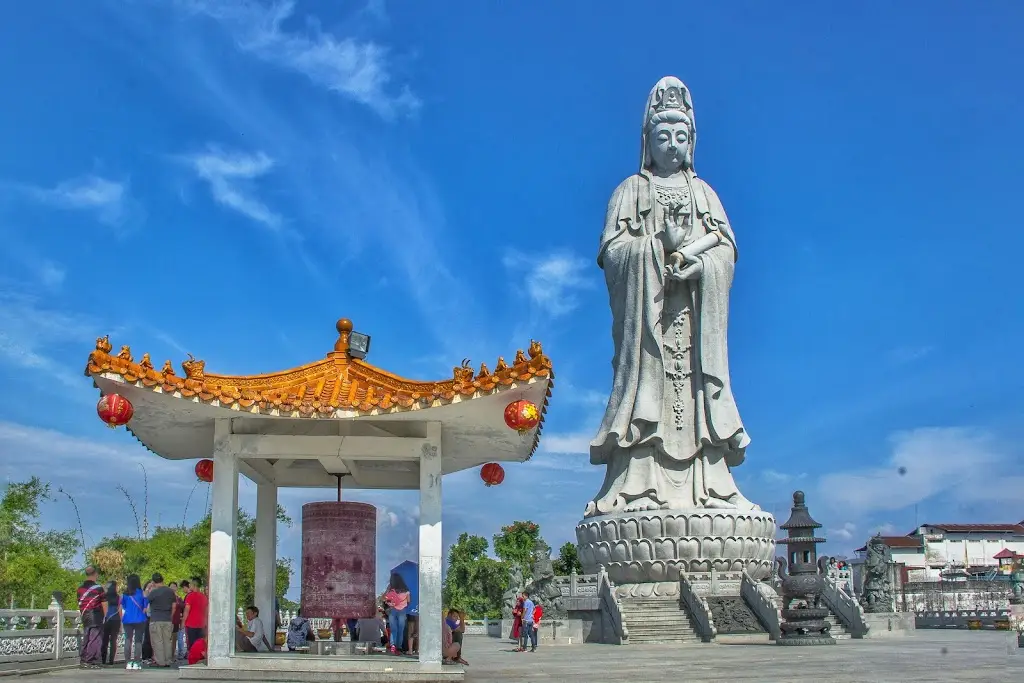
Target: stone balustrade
<point>38,639</point>
<point>845,607</point>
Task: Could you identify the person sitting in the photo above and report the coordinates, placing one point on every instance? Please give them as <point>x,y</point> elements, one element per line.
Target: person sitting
<point>253,632</point>
<point>451,652</point>
<point>370,631</point>
<point>197,653</point>
<point>299,633</point>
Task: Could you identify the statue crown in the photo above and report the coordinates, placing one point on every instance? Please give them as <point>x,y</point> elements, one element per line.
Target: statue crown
<point>670,98</point>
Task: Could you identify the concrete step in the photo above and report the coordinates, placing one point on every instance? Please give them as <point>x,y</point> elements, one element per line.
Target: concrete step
<point>838,631</point>
<point>654,637</point>
<point>662,634</point>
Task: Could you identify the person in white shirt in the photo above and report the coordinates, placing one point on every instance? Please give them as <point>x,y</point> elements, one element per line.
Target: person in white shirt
<point>254,630</point>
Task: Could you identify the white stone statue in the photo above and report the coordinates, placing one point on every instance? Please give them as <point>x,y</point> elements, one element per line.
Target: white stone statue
<point>671,431</point>
<point>669,505</point>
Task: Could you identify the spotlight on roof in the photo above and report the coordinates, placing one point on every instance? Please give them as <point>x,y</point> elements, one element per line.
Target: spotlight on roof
<point>358,345</point>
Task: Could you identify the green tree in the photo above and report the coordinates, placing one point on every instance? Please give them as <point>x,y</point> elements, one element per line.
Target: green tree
<point>515,544</point>
<point>33,563</point>
<point>181,553</point>
<point>568,560</point>
<point>474,582</point>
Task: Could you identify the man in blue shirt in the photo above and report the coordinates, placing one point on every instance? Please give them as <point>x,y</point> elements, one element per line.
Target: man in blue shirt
<point>527,634</point>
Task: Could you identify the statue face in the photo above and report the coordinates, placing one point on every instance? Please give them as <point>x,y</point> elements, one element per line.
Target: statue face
<point>668,144</point>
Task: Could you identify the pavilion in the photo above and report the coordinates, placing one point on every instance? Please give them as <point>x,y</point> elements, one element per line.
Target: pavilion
<point>337,421</point>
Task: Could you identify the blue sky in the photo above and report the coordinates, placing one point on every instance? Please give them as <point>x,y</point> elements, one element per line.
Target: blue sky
<point>228,179</point>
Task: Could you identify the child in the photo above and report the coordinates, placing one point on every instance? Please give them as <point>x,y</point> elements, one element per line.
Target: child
<point>197,653</point>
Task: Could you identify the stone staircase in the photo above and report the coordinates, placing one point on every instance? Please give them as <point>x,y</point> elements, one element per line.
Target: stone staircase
<point>657,620</point>
<point>838,631</point>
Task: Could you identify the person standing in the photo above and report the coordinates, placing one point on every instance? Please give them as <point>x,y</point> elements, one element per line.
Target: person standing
<point>147,642</point>
<point>92,599</point>
<point>176,631</point>
<point>538,612</point>
<point>133,619</point>
<point>526,633</point>
<point>194,618</point>
<point>161,628</point>
<point>517,619</point>
<point>398,600</point>
<point>111,625</point>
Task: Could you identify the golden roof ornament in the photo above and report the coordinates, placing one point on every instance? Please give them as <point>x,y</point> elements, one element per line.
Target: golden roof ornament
<point>331,387</point>
<point>344,327</point>
<point>464,373</point>
<point>194,369</point>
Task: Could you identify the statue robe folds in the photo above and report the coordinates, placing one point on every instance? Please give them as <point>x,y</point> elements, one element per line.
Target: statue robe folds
<point>667,443</point>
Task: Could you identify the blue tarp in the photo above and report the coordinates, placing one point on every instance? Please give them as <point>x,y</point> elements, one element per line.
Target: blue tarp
<point>410,573</point>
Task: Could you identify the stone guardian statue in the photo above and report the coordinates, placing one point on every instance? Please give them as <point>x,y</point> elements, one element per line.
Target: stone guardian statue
<point>671,432</point>
<point>878,590</point>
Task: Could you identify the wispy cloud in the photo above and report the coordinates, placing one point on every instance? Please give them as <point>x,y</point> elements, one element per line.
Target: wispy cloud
<point>578,442</point>
<point>29,334</point>
<point>108,199</point>
<point>967,466</point>
<point>356,69</point>
<point>844,532</point>
<point>73,456</point>
<point>908,354</point>
<point>347,194</point>
<point>230,176</point>
<point>50,274</point>
<point>775,477</point>
<point>553,282</point>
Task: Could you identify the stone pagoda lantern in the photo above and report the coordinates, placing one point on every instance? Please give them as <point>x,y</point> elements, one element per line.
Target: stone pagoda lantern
<point>804,614</point>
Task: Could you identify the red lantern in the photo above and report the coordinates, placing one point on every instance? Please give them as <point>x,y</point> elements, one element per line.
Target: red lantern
<point>492,473</point>
<point>115,410</point>
<point>204,471</point>
<point>521,416</point>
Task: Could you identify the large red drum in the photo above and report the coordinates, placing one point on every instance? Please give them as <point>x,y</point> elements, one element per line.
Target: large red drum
<point>339,560</point>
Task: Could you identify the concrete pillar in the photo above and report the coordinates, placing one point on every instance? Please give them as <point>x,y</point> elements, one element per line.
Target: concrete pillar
<point>220,641</point>
<point>431,549</point>
<point>266,557</point>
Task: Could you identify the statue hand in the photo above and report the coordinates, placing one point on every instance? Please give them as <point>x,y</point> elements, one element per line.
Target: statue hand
<point>681,267</point>
<point>675,230</point>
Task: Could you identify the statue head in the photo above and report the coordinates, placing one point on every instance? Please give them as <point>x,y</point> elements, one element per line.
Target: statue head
<point>669,131</point>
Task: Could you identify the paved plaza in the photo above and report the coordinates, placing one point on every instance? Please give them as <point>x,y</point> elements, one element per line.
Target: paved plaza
<point>922,656</point>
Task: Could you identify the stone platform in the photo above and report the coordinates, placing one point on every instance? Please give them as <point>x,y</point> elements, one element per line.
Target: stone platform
<point>934,656</point>
<point>655,547</point>
<point>889,624</point>
<point>282,667</point>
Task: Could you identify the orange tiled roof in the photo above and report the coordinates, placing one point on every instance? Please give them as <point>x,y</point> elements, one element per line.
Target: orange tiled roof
<point>339,382</point>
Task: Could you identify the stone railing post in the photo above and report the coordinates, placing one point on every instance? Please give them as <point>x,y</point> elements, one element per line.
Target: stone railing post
<point>572,583</point>
<point>58,626</point>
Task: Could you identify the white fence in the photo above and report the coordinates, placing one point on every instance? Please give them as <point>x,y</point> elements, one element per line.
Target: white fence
<point>39,637</point>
